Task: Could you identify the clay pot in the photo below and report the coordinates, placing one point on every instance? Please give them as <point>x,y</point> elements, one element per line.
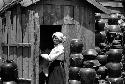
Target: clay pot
<point>114,28</point>
<point>103,47</point>
<point>116,46</point>
<point>74,73</point>
<point>87,75</point>
<point>116,80</point>
<point>90,54</point>
<point>98,50</point>
<point>76,46</point>
<point>88,64</point>
<point>76,60</point>
<point>9,71</point>
<point>101,24</point>
<point>116,42</point>
<point>111,36</point>
<point>114,55</point>
<point>102,59</point>
<point>113,20</point>
<point>91,64</point>
<point>74,82</point>
<point>114,69</point>
<point>102,71</point>
<point>100,37</point>
<point>103,81</point>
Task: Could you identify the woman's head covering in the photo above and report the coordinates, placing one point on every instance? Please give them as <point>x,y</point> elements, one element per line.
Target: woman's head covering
<point>60,36</point>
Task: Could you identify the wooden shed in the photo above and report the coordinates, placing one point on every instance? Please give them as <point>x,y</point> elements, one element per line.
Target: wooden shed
<point>28,25</point>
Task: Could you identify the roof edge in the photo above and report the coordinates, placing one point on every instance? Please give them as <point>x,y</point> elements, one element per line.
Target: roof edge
<point>99,6</point>
<point>4,8</point>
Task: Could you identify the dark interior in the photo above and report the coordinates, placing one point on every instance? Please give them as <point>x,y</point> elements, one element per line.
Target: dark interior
<point>46,32</point>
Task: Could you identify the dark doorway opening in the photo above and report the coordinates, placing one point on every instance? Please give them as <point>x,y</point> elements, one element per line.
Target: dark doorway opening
<point>46,32</point>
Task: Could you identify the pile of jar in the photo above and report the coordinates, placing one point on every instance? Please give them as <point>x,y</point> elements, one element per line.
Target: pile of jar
<point>83,66</point>
<point>90,67</point>
<point>103,65</point>
<point>111,51</point>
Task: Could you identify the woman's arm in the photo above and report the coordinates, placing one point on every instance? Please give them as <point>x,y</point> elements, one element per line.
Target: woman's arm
<point>57,51</point>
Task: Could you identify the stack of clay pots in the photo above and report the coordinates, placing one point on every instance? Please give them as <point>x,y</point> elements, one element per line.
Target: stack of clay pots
<point>114,66</point>
<point>111,52</point>
<point>9,72</point>
<point>90,65</point>
<point>76,61</point>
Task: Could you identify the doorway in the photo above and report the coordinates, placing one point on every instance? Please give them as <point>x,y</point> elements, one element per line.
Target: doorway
<point>46,32</point>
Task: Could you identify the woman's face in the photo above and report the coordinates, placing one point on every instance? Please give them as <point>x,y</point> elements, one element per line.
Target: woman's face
<point>56,40</point>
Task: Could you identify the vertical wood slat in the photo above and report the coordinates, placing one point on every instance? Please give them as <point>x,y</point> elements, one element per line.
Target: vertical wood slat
<point>19,40</point>
<point>13,27</point>
<point>10,57</point>
<point>8,27</point>
<point>15,54</point>
<point>77,21</point>
<point>5,30</point>
<point>55,13</point>
<point>92,22</point>
<point>82,24</point>
<point>31,32</point>
<point>30,62</point>
<point>85,22</point>
<point>68,11</point>
<point>25,62</point>
<point>39,9</point>
<point>25,28</point>
<point>90,28</point>
<point>37,42</point>
<point>66,63</point>
<point>19,61</point>
<point>19,28</point>
<point>29,29</point>
<point>4,37</point>
<point>25,39</point>
<point>1,52</point>
<point>46,14</point>
<point>14,34</point>
<point>31,26</point>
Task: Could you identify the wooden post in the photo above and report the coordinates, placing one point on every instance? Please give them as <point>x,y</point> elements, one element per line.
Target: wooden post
<point>8,25</point>
<point>36,49</point>
<point>35,39</point>
<point>66,63</point>
<point>31,26</point>
<point>1,52</point>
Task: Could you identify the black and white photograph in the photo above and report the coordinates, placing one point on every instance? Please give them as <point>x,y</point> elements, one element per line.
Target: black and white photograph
<point>62,41</point>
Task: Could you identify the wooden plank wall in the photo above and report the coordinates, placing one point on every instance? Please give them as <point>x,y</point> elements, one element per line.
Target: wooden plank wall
<point>80,21</point>
<point>77,21</point>
<point>21,25</point>
<point>17,31</point>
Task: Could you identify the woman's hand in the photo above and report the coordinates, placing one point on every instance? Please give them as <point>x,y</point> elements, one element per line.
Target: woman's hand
<point>44,56</point>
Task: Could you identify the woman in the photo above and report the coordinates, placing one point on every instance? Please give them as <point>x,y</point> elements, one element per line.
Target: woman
<point>56,56</point>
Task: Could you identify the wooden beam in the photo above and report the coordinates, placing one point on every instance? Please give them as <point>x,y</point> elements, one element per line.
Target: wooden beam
<point>7,6</point>
<point>112,4</point>
<point>99,6</point>
<point>116,9</point>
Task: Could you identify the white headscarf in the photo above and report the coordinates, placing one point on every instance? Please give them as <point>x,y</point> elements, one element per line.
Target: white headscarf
<point>60,36</point>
